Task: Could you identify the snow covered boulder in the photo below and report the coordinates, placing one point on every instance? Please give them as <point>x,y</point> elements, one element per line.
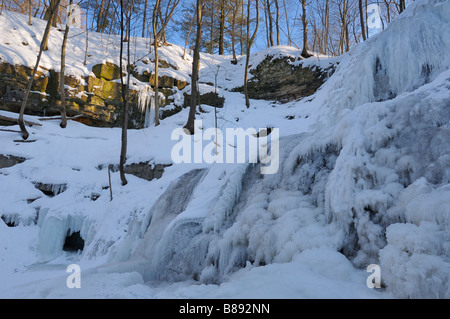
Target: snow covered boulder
<point>281,74</point>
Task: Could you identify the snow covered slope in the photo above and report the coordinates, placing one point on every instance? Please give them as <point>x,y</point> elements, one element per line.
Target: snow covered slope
<point>364,179</point>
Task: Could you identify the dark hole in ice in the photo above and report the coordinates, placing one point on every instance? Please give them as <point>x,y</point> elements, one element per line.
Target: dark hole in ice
<point>74,242</point>
<point>9,222</point>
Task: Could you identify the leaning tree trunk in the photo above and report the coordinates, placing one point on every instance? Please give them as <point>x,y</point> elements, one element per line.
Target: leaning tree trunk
<point>195,68</point>
<point>187,37</point>
<point>50,16</point>
<point>21,122</point>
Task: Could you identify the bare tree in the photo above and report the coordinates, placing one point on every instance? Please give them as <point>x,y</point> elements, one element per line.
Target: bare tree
<point>155,43</point>
<point>234,11</point>
<point>100,16</point>
<point>361,18</point>
<point>191,22</point>
<point>21,122</point>
<point>144,20</point>
<point>326,26</point>
<point>277,21</point>
<point>63,123</point>
<point>305,52</point>
<point>402,6</point>
<point>87,35</point>
<point>189,127</point>
<point>125,88</point>
<point>50,15</point>
<point>164,20</point>
<point>270,20</point>
<point>249,45</point>
<point>221,26</point>
<point>29,12</point>
<point>287,23</point>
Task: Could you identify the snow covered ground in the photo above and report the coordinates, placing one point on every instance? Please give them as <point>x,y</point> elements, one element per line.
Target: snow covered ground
<point>363,179</point>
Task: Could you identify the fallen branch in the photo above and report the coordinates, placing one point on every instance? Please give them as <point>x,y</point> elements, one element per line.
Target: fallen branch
<point>58,118</point>
<point>14,120</point>
<point>6,130</point>
<point>24,141</point>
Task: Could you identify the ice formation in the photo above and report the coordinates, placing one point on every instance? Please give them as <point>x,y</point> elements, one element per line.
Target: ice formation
<point>370,182</point>
<point>146,103</point>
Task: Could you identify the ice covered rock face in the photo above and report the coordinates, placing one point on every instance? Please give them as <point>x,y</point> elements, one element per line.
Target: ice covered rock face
<point>371,181</point>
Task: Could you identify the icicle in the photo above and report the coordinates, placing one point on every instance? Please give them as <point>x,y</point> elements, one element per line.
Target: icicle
<point>146,104</point>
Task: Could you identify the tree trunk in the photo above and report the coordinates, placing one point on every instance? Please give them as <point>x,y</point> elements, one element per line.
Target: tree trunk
<point>269,15</point>
<point>249,44</point>
<point>388,11</point>
<point>266,23</point>
<point>211,45</point>
<point>287,23</point>
<point>326,27</point>
<point>277,21</point>
<point>187,37</point>
<point>402,6</point>
<point>361,18</point>
<point>37,9</point>
<point>195,68</point>
<point>367,25</point>
<point>167,17</point>
<point>347,39</point>
<point>241,39</point>
<point>233,30</point>
<point>221,27</point>
<point>144,20</point>
<point>21,122</point>
<point>29,13</point>
<point>124,91</point>
<point>155,43</point>
<point>100,15</point>
<point>50,14</point>
<point>105,18</point>
<point>305,52</point>
<point>87,36</point>
<point>63,123</point>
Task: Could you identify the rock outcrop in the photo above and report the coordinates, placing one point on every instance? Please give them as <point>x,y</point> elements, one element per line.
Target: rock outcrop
<point>95,98</point>
<point>285,79</point>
